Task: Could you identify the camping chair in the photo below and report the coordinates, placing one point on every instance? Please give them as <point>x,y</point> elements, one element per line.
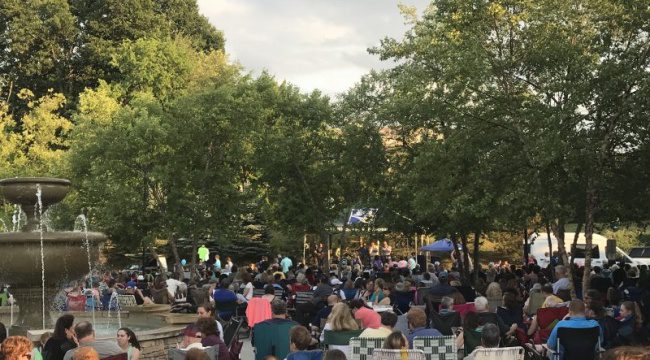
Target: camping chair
<point>272,339</point>
<point>471,339</point>
<point>258,292</point>
<point>180,354</point>
<point>581,344</point>
<point>403,354</point>
<point>506,353</point>
<point>546,320</point>
<point>444,323</point>
<point>464,308</point>
<point>362,348</point>
<point>231,331</point>
<point>438,347</point>
<point>258,309</point>
<point>226,310</point>
<point>403,300</point>
<point>339,337</point>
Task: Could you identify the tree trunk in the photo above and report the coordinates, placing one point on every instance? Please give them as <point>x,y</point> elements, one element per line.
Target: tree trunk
<point>526,246</point>
<point>550,248</point>
<point>195,248</point>
<point>177,259</point>
<point>461,267</point>
<point>564,257</point>
<point>589,231</point>
<point>575,242</point>
<point>477,267</point>
<point>465,257</point>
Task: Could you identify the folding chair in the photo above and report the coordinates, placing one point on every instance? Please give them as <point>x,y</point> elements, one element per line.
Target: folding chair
<point>258,292</point>
<point>340,337</point>
<point>507,353</point>
<point>362,348</point>
<point>581,344</point>
<point>439,347</point>
<point>546,320</point>
<point>225,310</point>
<point>444,323</point>
<point>231,331</point>
<point>126,300</point>
<point>403,354</point>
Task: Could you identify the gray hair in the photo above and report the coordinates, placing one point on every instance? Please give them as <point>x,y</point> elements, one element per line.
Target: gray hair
<point>490,337</point>
<point>481,303</point>
<point>278,307</point>
<point>447,302</point>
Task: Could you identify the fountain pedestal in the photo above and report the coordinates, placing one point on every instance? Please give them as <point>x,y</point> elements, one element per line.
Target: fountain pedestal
<point>65,256</point>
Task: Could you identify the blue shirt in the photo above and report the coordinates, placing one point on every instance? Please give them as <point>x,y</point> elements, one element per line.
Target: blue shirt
<point>421,331</point>
<point>572,323</point>
<point>286,263</point>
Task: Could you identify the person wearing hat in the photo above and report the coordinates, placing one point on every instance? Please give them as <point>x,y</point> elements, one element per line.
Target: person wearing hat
<point>443,288</point>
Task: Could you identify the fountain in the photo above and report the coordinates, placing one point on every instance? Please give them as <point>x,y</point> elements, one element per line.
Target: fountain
<point>34,261</point>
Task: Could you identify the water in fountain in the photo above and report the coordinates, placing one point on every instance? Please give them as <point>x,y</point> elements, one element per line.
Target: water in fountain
<point>114,303</point>
<point>84,224</point>
<point>39,206</point>
<point>16,218</point>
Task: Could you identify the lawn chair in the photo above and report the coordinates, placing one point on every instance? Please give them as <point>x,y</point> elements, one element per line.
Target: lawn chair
<point>258,292</point>
<point>226,310</point>
<point>507,353</point>
<point>444,323</point>
<point>362,348</point>
<point>438,347</point>
<point>546,320</point>
<point>341,338</point>
<point>403,354</point>
<point>126,300</point>
<point>581,344</point>
<point>231,331</point>
<point>535,301</point>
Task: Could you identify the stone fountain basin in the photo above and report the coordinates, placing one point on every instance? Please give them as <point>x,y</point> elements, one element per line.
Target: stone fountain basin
<point>65,257</point>
<point>23,190</point>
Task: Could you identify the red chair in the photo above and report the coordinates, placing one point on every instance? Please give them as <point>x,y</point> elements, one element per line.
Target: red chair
<point>463,309</point>
<point>546,320</point>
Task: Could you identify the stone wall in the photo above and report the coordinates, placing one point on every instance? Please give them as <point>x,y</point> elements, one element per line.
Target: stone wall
<point>156,343</point>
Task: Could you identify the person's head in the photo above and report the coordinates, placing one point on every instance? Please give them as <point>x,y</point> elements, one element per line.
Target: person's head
<point>591,295</point>
<point>341,318</point>
<point>416,318</point>
<point>547,289</point>
<point>126,337</point>
<point>190,335</point>
<point>86,353</point>
<point>205,310</point>
<point>379,284</point>
<point>17,348</point>
<point>332,300</point>
<point>196,354</point>
<point>279,308</point>
<point>3,332</point>
<point>269,290</point>
<point>490,336</point>
<point>481,304</point>
<point>300,338</point>
<point>560,271</point>
<point>334,354</point>
<point>388,319</point>
<point>44,337</point>
<point>510,301</point>
<point>63,327</point>
<point>84,331</point>
<point>447,303</point>
<point>493,290</point>
<point>396,341</point>
<point>348,285</point>
<point>576,308</point>
<point>207,327</point>
<point>627,353</point>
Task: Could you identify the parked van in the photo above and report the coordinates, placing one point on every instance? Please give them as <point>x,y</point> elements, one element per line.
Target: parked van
<point>641,255</point>
<point>538,247</point>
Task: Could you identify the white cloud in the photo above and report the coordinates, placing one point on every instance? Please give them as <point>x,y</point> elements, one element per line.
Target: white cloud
<point>318,44</point>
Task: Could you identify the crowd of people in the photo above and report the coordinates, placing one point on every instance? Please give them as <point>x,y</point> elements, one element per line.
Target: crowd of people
<point>294,311</point>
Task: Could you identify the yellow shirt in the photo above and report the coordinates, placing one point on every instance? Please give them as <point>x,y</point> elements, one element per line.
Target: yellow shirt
<point>552,301</point>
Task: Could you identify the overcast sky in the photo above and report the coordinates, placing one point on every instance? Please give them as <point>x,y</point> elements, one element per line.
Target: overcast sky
<point>314,44</point>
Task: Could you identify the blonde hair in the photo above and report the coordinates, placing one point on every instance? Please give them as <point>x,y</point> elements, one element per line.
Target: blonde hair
<point>494,290</point>
<point>341,318</point>
<point>15,346</point>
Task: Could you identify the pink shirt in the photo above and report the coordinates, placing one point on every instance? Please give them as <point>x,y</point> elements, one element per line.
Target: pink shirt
<point>369,318</point>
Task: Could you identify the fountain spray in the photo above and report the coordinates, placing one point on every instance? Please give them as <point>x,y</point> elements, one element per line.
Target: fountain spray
<point>84,224</point>
<point>39,206</point>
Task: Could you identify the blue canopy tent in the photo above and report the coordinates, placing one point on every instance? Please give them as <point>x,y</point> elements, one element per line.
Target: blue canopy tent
<point>439,245</point>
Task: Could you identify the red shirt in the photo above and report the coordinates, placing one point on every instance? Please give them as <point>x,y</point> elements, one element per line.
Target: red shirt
<point>369,318</point>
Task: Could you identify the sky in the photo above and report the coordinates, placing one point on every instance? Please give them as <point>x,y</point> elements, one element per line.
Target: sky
<point>314,44</point>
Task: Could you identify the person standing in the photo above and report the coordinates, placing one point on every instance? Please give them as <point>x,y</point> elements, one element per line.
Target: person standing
<point>286,264</point>
<point>386,251</point>
<point>204,253</point>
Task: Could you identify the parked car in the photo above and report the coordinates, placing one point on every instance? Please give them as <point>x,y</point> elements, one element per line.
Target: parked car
<point>641,255</point>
